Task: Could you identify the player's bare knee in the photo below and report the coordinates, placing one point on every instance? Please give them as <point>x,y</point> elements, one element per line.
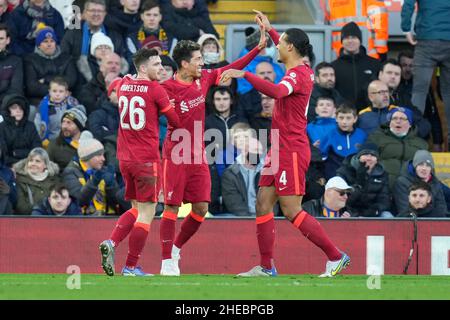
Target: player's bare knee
<point>200,208</point>
<point>173,209</point>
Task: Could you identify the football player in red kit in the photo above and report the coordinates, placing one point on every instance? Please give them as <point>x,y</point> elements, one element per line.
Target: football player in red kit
<point>141,100</point>
<point>186,174</point>
<point>284,173</point>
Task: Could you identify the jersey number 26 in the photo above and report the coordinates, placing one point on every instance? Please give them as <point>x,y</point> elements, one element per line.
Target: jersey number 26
<point>136,113</point>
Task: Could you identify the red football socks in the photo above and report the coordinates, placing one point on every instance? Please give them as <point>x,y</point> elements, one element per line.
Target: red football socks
<point>265,232</point>
<point>136,244</point>
<point>167,233</point>
<point>313,231</point>
<point>189,226</point>
<point>124,226</point>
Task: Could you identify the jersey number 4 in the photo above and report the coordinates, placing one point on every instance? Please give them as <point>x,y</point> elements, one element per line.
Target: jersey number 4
<point>136,113</point>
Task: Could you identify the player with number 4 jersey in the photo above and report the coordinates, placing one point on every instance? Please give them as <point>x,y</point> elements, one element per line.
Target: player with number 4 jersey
<point>284,173</point>
<point>141,101</point>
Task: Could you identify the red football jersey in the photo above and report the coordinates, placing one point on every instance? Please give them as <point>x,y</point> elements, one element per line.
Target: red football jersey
<point>289,114</point>
<point>190,107</point>
<point>140,102</point>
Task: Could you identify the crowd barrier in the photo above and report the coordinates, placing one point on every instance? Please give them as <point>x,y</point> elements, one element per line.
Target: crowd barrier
<point>227,246</point>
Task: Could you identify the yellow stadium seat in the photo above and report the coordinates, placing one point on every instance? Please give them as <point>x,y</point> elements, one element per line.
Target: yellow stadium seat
<point>442,166</point>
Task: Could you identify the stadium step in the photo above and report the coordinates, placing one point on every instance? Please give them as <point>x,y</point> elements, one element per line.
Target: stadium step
<point>234,11</point>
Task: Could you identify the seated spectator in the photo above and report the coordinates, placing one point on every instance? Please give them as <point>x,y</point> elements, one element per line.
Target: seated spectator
<point>390,74</point>
<point>186,19</point>
<point>334,201</point>
<point>150,30</point>
<point>77,41</point>
<point>89,181</point>
<point>27,19</point>
<point>35,174</point>
<point>342,141</point>
<point>125,20</point>
<point>212,51</point>
<point>268,54</point>
<point>397,143</point>
<point>11,68</point>
<point>8,193</point>
<point>375,115</point>
<point>101,46</point>
<point>315,176</point>
<point>4,14</point>
<point>58,203</point>
<point>221,119</point>
<point>51,109</point>
<point>20,134</point>
<point>95,90</point>
<point>370,183</point>
<point>325,81</point>
<point>420,202</point>
<point>406,59</point>
<point>240,180</point>
<point>354,69</point>
<point>104,121</point>
<point>421,168</point>
<point>64,148</point>
<point>250,103</point>
<point>263,120</point>
<point>45,63</point>
<point>324,120</point>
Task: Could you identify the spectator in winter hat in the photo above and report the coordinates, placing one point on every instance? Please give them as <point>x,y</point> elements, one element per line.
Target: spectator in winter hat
<point>62,149</point>
<point>89,181</point>
<point>420,168</point>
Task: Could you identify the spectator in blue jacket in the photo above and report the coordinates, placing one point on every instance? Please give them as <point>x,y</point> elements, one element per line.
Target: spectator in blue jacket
<point>58,203</point>
<point>343,141</point>
<point>269,54</point>
<point>27,19</point>
<point>432,47</point>
<point>375,115</point>
<point>324,122</point>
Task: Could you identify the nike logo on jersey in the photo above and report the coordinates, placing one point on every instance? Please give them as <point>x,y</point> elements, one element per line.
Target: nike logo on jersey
<point>281,189</point>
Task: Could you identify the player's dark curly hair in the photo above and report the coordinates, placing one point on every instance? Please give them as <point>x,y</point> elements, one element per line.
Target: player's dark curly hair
<point>300,40</point>
<point>142,56</point>
<point>183,51</point>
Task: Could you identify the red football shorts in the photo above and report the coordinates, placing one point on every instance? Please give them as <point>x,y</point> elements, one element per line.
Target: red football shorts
<point>142,181</point>
<point>188,183</point>
<point>287,172</point>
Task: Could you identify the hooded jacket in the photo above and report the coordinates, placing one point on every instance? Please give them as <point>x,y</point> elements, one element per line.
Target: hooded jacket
<point>371,194</point>
<point>401,190</point>
<point>353,75</point>
<point>219,63</point>
<point>31,192</point>
<point>19,138</point>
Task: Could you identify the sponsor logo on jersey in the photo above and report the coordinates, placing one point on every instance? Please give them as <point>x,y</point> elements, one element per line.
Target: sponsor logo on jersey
<point>183,106</point>
<point>186,106</point>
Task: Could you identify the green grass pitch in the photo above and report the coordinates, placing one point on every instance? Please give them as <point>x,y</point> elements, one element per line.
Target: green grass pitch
<point>223,287</point>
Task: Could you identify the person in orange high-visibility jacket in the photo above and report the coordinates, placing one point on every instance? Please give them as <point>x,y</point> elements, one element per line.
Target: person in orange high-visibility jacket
<point>369,14</point>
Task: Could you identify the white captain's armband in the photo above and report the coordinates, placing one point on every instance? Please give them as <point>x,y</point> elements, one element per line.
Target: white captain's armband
<point>287,85</point>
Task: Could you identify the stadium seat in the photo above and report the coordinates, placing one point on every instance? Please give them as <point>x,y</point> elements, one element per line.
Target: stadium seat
<point>442,166</point>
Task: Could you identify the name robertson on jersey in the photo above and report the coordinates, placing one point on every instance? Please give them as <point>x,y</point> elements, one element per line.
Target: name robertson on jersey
<point>134,88</point>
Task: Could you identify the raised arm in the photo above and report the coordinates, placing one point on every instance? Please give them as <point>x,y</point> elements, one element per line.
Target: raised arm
<point>262,20</point>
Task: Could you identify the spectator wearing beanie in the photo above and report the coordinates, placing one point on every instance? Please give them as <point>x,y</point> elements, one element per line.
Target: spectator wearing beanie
<point>25,21</point>
<point>18,133</point>
<point>45,63</point>
<point>370,196</point>
<point>420,168</point>
<point>89,181</point>
<point>397,142</point>
<point>354,69</point>
<point>62,149</point>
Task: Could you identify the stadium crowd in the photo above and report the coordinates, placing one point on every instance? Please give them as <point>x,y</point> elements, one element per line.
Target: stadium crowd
<point>60,117</point>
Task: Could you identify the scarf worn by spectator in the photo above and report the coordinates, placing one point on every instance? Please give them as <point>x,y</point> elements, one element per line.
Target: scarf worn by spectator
<point>98,202</point>
<point>55,55</point>
<point>143,33</point>
<point>48,107</point>
<point>37,14</point>
<point>85,42</point>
